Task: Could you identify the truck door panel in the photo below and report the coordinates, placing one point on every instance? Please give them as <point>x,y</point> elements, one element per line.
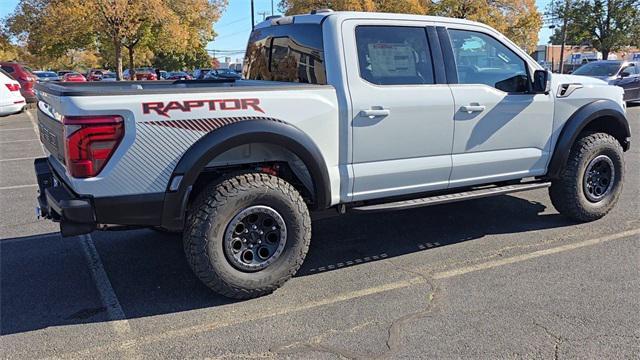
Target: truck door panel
<point>402,127</point>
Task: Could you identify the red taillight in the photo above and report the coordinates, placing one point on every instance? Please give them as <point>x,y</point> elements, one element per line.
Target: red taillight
<point>13,87</point>
<point>89,142</point>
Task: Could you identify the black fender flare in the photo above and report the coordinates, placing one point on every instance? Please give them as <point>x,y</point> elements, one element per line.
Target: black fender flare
<point>578,121</point>
<point>239,133</point>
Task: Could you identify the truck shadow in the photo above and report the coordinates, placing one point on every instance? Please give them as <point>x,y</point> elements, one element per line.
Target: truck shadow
<point>45,280</point>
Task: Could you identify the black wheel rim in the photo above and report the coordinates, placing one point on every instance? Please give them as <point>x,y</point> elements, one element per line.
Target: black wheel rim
<point>599,178</point>
<point>255,238</point>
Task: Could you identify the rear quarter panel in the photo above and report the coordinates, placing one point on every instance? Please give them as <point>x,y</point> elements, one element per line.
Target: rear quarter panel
<point>151,148</point>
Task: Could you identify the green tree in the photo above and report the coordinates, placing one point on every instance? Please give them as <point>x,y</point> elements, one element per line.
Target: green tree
<point>517,19</point>
<point>608,25</point>
<point>51,28</point>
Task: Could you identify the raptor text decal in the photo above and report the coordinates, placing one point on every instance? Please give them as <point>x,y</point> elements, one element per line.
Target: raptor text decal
<point>163,109</point>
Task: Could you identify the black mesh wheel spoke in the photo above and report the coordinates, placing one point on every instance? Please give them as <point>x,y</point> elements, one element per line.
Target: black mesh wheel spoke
<point>255,238</point>
<point>599,178</point>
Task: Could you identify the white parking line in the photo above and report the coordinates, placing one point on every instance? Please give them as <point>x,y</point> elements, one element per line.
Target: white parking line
<point>17,187</point>
<point>17,141</point>
<point>107,295</point>
<point>17,129</point>
<point>35,128</point>
<point>23,158</point>
<point>533,255</point>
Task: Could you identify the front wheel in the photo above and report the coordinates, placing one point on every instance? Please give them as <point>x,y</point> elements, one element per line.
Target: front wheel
<point>591,183</point>
<point>246,235</point>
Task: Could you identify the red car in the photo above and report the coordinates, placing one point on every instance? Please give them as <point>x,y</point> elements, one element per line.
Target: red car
<point>24,76</point>
<point>95,74</point>
<point>73,77</point>
<point>141,74</point>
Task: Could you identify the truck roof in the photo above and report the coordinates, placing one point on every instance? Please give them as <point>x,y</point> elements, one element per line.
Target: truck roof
<point>321,15</point>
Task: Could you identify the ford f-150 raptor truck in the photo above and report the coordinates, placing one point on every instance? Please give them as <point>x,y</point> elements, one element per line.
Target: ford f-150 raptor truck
<point>337,110</point>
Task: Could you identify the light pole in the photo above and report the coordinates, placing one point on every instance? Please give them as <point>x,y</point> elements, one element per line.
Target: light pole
<point>253,23</point>
<point>565,16</point>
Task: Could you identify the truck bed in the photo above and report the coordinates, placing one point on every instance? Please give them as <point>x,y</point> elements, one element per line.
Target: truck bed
<point>106,88</point>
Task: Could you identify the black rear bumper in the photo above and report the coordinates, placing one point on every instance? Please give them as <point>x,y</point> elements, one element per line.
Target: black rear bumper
<point>80,214</point>
<point>75,214</point>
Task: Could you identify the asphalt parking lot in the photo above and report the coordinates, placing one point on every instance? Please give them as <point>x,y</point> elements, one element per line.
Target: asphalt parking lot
<point>504,277</point>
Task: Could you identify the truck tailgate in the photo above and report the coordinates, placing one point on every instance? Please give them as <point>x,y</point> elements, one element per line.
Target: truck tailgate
<point>51,134</point>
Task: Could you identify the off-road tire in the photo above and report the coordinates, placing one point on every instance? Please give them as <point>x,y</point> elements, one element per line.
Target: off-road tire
<point>567,193</point>
<point>207,221</point>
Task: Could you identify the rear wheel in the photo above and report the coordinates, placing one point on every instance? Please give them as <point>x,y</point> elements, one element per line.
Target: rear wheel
<point>591,183</point>
<point>245,236</point>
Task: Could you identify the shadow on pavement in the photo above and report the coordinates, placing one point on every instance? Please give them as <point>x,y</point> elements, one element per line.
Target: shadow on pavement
<point>45,280</point>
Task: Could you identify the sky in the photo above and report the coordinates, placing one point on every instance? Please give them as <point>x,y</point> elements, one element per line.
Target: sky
<point>234,26</point>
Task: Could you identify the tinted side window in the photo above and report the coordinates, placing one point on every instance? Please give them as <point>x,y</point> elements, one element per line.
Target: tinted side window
<point>394,55</point>
<point>632,69</point>
<point>292,53</point>
<point>481,59</point>
<point>8,69</point>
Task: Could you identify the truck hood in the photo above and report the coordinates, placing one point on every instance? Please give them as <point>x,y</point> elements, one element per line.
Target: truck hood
<point>577,79</point>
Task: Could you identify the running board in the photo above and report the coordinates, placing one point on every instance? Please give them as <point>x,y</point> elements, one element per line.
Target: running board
<point>442,199</point>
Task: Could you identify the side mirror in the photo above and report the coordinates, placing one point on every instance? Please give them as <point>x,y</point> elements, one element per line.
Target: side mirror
<point>541,82</point>
<point>624,74</point>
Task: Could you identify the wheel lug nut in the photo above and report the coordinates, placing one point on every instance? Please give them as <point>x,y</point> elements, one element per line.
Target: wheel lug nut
<point>260,232</point>
<point>273,228</point>
<point>250,246</point>
<point>259,241</point>
<point>254,227</point>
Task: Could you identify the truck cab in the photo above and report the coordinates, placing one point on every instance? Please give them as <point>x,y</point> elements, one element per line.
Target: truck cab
<point>426,103</point>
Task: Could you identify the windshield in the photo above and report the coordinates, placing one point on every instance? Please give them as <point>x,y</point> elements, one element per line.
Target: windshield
<point>598,69</point>
<point>46,74</point>
<point>108,75</point>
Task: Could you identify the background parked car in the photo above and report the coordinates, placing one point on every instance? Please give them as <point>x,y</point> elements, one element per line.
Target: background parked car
<point>95,74</point>
<point>199,74</point>
<point>108,76</point>
<point>616,72</point>
<point>11,101</point>
<point>24,76</point>
<point>178,75</point>
<point>73,77</point>
<point>223,74</point>
<point>61,73</point>
<point>43,76</point>
<point>141,74</point>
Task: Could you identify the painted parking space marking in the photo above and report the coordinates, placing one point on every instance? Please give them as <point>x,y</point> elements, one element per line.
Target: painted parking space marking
<point>18,141</point>
<point>18,159</point>
<point>17,187</point>
<point>352,295</point>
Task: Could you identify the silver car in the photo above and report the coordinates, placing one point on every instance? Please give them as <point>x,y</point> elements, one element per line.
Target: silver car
<point>625,74</point>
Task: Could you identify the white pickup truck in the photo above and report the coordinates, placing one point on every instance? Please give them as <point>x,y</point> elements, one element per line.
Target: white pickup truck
<point>339,110</point>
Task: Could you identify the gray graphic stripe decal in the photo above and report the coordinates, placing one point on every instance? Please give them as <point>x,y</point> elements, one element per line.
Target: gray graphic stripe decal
<point>204,125</point>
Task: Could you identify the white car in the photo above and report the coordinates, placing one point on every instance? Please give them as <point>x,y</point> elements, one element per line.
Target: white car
<point>11,101</point>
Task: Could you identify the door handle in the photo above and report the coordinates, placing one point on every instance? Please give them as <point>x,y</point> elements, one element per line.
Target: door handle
<point>473,108</point>
<point>375,112</point>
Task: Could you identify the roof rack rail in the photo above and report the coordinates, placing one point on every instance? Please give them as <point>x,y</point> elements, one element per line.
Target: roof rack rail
<point>321,11</point>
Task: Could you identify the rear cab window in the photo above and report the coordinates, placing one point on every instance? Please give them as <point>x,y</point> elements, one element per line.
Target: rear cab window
<point>289,52</point>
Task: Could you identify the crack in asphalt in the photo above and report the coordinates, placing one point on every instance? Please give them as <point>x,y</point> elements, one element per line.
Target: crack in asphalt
<point>557,340</point>
<point>394,330</point>
<point>315,344</point>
